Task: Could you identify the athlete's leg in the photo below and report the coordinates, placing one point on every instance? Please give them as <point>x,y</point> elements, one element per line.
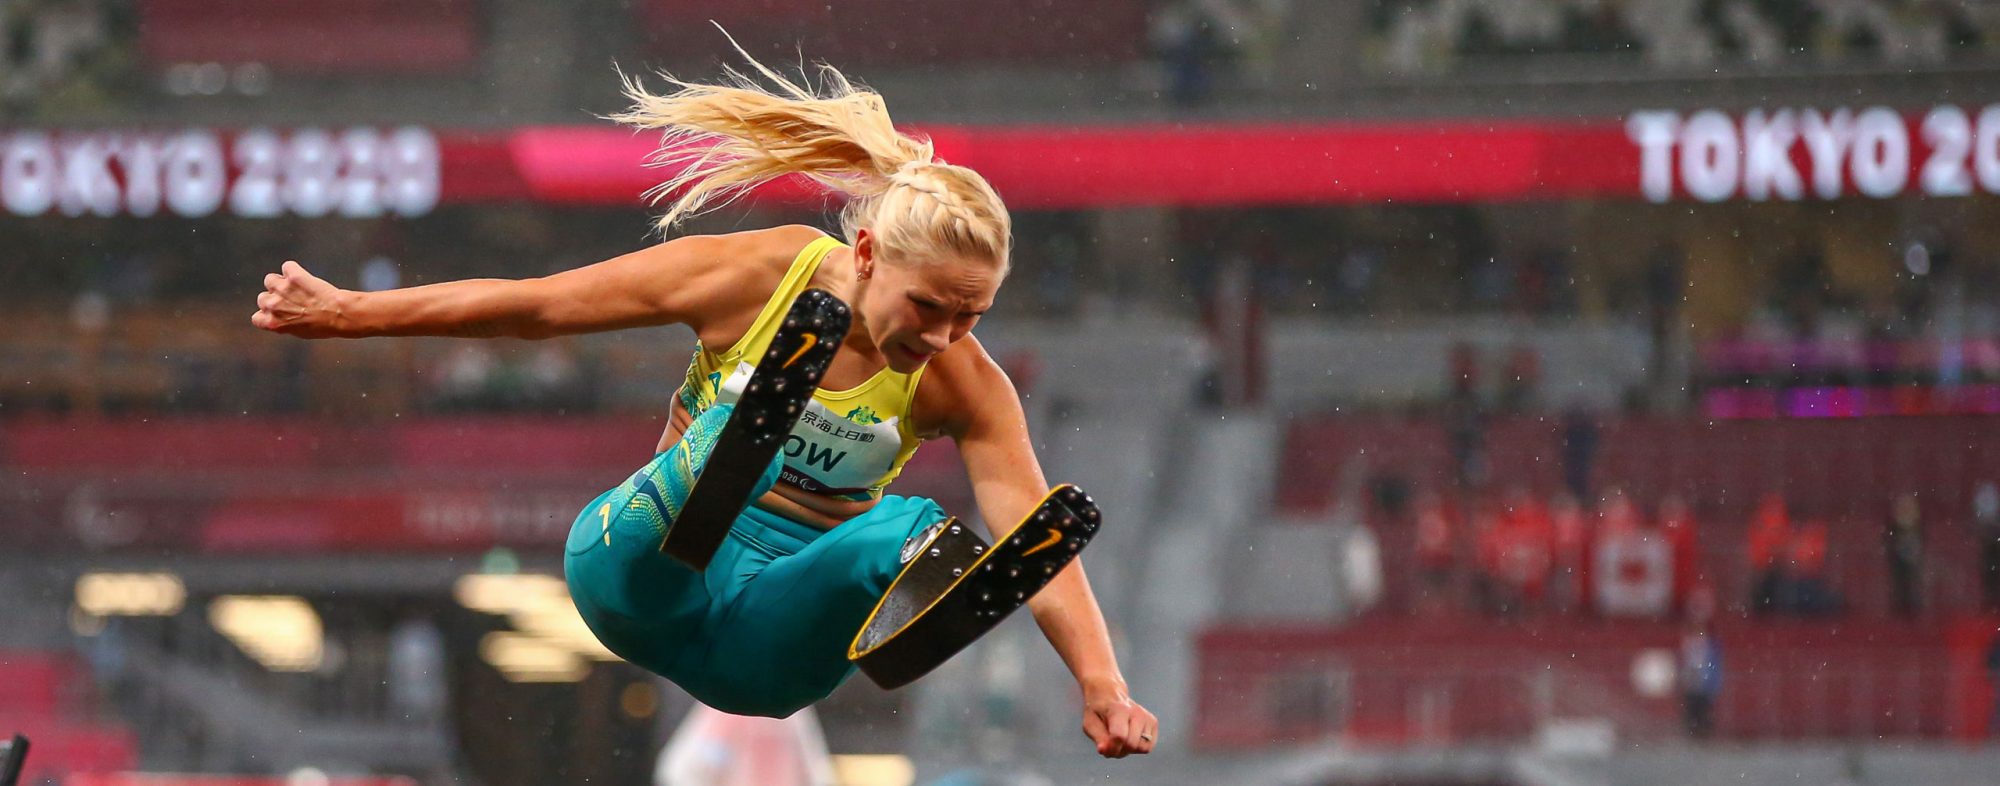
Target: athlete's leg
<point>788,629</point>
<point>641,603</point>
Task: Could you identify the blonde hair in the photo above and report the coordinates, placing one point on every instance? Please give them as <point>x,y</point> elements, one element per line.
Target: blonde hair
<point>721,140</point>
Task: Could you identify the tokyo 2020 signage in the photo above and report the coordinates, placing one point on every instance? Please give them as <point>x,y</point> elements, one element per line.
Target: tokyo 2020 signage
<point>260,173</point>
<point>1796,154</point>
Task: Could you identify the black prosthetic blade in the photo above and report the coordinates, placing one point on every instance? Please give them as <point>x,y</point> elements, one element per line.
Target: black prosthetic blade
<point>13,754</point>
<point>957,588</point>
<point>772,401</point>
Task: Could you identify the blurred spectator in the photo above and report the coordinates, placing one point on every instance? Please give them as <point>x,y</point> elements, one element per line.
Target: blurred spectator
<point>1354,279</point>
<point>1986,527</point>
<point>1548,285</point>
<point>1678,526</point>
<point>1770,531</point>
<point>1666,289</point>
<point>1701,677</point>
<point>552,376</point>
<point>380,273</point>
<point>464,375</point>
<point>1618,514</point>
<point>417,678</point>
<point>1802,290</point>
<point>1489,281</point>
<point>1633,571</point>
<point>1482,521</point>
<point>1520,544</point>
<point>1993,684</point>
<point>1579,450</point>
<point>1803,588</point>
<point>1465,418</point>
<point>1185,39</point>
<point>48,43</point>
<point>1436,551</point>
<point>1902,540</point>
<point>1522,381</point>
<point>1569,546</point>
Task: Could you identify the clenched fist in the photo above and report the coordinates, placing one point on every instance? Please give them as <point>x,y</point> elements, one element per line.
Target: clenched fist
<point>297,303</point>
<point>1116,724</point>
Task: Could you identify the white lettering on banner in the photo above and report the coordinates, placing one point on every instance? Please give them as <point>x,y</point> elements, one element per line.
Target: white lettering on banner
<point>28,173</point>
<point>1711,159</point>
<point>87,184</point>
<point>1881,153</point>
<point>1949,133</point>
<point>358,173</point>
<point>140,159</point>
<point>256,192</point>
<point>1769,155</point>
<point>1986,149</point>
<point>1654,133</point>
<point>412,172</point>
<point>1827,138</point>
<point>361,184</point>
<point>196,175</point>
<point>485,517</point>
<point>310,170</point>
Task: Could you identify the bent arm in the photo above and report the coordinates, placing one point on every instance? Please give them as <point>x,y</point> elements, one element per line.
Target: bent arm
<point>992,435</point>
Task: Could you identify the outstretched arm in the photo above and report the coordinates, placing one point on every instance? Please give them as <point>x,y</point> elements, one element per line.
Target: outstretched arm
<point>666,284</point>
<point>992,435</point>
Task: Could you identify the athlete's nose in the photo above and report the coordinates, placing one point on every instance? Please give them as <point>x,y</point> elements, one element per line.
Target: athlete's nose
<point>937,337</point>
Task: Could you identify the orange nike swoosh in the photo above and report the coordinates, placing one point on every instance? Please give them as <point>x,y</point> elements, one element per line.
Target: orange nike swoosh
<point>1055,536</point>
<point>812,340</point>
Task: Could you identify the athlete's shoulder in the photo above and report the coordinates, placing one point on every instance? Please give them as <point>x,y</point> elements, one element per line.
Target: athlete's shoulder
<point>965,357</point>
<point>725,278</point>
<point>760,250</point>
<point>962,383</point>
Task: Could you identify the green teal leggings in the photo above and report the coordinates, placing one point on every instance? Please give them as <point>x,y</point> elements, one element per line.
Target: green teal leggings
<point>765,630</point>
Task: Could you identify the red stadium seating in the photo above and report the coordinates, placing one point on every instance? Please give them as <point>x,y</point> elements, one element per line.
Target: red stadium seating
<point>1840,472</point>
<point>1436,680</point>
<point>31,683</point>
<point>1827,468</point>
<point>43,695</point>
<point>320,37</point>
<point>424,484</point>
<point>852,33</point>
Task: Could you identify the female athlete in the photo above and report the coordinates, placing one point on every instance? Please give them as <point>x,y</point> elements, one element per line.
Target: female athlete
<point>764,630</point>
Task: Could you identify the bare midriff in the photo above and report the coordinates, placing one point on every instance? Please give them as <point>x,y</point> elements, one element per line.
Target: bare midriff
<point>796,504</point>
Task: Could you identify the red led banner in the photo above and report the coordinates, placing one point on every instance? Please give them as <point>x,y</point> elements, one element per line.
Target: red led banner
<point>1706,155</point>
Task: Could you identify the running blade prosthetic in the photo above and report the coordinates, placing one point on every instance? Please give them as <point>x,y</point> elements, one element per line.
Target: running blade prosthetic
<point>783,381</point>
<point>957,588</point>
<point>13,754</point>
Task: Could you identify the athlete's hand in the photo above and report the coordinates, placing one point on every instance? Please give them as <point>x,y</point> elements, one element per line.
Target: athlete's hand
<point>297,303</point>
<point>1115,723</point>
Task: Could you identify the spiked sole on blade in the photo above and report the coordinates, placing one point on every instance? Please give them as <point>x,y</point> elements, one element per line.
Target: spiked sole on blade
<point>957,588</point>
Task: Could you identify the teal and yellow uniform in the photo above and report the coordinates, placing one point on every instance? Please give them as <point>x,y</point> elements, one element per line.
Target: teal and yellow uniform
<point>765,629</point>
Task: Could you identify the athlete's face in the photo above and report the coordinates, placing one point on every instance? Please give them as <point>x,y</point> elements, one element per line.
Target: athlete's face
<point>913,309</point>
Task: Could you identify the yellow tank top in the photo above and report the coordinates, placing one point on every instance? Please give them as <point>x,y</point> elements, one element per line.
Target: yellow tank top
<point>849,443</point>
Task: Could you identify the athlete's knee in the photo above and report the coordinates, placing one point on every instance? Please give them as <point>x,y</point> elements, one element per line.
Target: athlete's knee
<point>673,474</point>
<point>698,444</point>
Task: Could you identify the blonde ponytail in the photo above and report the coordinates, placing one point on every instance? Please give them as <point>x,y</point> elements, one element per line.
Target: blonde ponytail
<point>721,140</point>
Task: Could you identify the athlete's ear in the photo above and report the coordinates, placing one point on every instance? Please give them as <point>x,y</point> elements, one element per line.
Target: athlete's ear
<point>864,254</point>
